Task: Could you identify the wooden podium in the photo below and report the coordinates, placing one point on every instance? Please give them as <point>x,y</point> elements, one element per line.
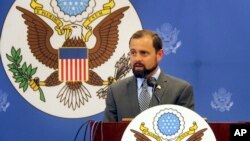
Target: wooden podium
<point>113,131</point>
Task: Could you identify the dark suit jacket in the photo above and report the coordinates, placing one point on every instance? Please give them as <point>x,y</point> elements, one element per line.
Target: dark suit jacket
<point>122,100</point>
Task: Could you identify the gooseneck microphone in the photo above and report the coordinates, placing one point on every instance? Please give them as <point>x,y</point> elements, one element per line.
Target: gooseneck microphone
<point>151,81</point>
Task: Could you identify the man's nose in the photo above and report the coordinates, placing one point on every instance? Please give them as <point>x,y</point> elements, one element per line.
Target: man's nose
<point>138,57</point>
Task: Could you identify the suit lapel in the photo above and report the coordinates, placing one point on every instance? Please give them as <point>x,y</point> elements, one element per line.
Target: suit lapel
<point>132,93</point>
<point>162,85</point>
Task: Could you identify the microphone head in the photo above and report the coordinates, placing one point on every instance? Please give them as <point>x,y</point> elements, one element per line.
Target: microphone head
<point>151,81</point>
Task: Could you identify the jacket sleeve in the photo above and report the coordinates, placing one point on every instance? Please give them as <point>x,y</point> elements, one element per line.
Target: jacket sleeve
<point>110,112</point>
<point>186,97</point>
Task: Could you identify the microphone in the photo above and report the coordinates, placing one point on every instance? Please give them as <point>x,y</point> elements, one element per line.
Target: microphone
<point>151,81</point>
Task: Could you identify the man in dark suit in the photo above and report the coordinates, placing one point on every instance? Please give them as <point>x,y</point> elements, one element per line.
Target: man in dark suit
<point>124,97</point>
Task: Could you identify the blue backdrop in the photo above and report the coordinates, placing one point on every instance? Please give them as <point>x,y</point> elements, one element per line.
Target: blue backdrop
<point>210,50</point>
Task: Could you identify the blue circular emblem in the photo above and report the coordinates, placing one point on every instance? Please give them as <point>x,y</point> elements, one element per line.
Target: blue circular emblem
<point>168,124</point>
<point>73,7</point>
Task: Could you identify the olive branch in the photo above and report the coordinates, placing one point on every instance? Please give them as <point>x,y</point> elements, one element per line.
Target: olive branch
<point>22,73</point>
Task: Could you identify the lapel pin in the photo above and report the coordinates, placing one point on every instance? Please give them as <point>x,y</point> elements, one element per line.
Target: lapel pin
<point>158,87</point>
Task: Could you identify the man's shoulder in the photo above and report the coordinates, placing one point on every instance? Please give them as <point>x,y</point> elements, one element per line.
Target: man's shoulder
<point>123,81</point>
<point>175,80</point>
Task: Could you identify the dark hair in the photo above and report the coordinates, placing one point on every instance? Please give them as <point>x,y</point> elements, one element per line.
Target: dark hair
<point>157,42</point>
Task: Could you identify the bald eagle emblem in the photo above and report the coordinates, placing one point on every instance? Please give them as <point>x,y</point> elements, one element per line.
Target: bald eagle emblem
<point>168,123</point>
<point>222,100</point>
<point>73,62</point>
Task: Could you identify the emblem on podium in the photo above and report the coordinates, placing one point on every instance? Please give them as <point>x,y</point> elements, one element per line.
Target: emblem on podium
<point>168,123</point>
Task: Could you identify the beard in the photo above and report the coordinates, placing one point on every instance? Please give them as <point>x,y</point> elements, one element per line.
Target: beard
<point>144,72</point>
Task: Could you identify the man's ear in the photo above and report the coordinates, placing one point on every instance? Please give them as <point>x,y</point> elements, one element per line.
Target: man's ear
<point>160,55</point>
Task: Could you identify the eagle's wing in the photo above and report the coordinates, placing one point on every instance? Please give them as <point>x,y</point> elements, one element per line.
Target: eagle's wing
<point>197,136</point>
<point>139,136</point>
<point>39,33</point>
<point>106,33</point>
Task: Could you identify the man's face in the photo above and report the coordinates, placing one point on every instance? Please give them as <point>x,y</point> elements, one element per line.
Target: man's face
<point>143,57</point>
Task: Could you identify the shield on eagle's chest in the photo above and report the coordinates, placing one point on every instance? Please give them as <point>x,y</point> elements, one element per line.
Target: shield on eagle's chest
<point>73,64</point>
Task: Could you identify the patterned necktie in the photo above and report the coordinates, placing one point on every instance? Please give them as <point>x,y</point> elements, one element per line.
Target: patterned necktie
<point>144,97</point>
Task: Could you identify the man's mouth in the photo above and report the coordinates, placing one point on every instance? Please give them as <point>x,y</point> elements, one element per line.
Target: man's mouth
<point>139,67</point>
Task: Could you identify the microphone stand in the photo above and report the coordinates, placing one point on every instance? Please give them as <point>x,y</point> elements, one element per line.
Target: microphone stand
<point>151,81</point>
